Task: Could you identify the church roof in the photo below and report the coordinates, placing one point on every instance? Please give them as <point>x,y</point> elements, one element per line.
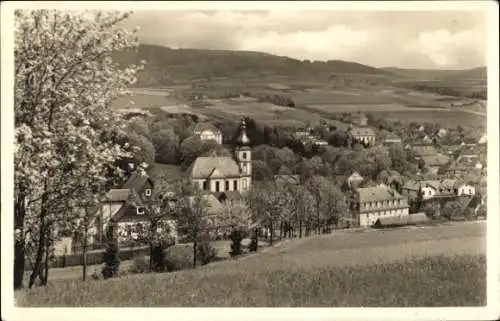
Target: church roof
<point>220,167</point>
<point>243,139</point>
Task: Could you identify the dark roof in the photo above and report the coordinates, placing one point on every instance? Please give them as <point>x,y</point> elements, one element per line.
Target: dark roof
<point>469,141</point>
<point>137,180</point>
<point>411,219</point>
<point>435,160</point>
<point>424,150</point>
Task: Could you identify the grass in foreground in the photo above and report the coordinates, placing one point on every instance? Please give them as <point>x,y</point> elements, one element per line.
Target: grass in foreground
<point>433,281</point>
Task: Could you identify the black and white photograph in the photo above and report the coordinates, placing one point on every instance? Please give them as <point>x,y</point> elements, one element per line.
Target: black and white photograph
<point>250,154</point>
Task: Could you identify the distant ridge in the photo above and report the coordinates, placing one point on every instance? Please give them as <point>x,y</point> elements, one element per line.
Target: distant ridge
<point>165,65</point>
<point>478,73</point>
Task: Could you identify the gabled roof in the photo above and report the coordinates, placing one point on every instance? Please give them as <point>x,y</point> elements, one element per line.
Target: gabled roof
<point>117,195</point>
<point>470,141</point>
<point>137,180</point>
<point>424,150</point>
<point>435,160</point>
<point>362,131</point>
<point>203,167</point>
<point>213,206</point>
<point>435,184</point>
<point>378,193</point>
<point>201,127</point>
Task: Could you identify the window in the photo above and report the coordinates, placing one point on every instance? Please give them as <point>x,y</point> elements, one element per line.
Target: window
<point>205,185</point>
<point>470,191</point>
<point>244,155</point>
<point>227,185</point>
<point>235,185</point>
<point>147,192</point>
<point>217,186</point>
<point>140,210</point>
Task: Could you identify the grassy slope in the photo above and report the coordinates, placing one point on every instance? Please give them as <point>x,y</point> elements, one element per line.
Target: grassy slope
<point>400,267</point>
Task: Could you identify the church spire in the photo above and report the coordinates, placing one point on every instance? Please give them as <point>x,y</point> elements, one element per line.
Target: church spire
<point>243,139</point>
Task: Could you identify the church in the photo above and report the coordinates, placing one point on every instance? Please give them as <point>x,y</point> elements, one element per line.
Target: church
<point>224,174</point>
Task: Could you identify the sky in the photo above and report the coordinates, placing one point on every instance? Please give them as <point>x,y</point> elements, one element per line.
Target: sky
<point>425,40</point>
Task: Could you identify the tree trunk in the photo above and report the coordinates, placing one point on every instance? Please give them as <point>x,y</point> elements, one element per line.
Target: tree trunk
<point>271,232</point>
<point>45,277</point>
<point>281,230</point>
<point>19,247</point>
<point>37,269</point>
<point>84,250</point>
<point>194,254</point>
<point>300,228</point>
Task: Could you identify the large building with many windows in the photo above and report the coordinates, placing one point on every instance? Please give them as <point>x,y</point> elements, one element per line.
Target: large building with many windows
<point>372,203</point>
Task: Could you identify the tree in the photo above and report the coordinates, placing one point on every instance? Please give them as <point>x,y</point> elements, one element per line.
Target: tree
<point>65,81</point>
<point>143,148</point>
<point>139,125</point>
<point>236,217</point>
<point>300,205</point>
<point>260,171</point>
<point>218,151</point>
<point>166,144</point>
<point>319,186</point>
<point>452,209</point>
<point>266,202</point>
<point>193,221</point>
<point>193,147</point>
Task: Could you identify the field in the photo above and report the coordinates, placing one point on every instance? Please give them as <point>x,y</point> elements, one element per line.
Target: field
<point>313,101</point>
<point>431,266</point>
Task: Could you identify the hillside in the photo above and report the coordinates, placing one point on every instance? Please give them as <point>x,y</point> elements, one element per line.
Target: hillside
<point>166,66</point>
<point>435,74</point>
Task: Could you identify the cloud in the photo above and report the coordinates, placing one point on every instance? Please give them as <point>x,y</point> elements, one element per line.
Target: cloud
<point>404,39</point>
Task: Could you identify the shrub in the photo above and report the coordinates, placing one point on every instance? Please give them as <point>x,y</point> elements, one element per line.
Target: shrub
<point>236,237</point>
<point>178,257</point>
<point>158,258</point>
<point>111,260</point>
<point>140,265</point>
<point>205,252</point>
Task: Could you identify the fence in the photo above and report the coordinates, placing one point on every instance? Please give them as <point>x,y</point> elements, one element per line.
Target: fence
<point>93,257</point>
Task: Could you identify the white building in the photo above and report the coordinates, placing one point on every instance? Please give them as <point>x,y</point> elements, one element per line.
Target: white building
<point>207,131</point>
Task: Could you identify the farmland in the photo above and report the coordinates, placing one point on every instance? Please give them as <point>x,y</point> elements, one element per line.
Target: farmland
<point>433,266</point>
<point>312,103</point>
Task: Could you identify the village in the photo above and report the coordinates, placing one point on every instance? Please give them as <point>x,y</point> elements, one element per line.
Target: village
<point>447,182</point>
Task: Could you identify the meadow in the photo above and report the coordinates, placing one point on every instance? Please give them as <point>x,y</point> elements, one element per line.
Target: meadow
<point>422,267</point>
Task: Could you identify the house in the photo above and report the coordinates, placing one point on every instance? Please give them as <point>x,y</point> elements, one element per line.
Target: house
<point>219,174</point>
<point>359,119</point>
<point>427,140</point>
<point>207,131</point>
<point>362,135</point>
<point>451,150</point>
<point>391,138</point>
<point>433,162</point>
<point>354,180</point>
<point>302,133</point>
<point>441,133</point>
<point>423,150</point>
<point>430,189</point>
<point>373,203</point>
<point>141,183</point>
<point>320,142</point>
<point>469,142</point>
<point>404,220</point>
<point>483,139</point>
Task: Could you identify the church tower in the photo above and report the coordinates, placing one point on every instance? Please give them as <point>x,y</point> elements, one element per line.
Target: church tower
<point>243,156</point>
